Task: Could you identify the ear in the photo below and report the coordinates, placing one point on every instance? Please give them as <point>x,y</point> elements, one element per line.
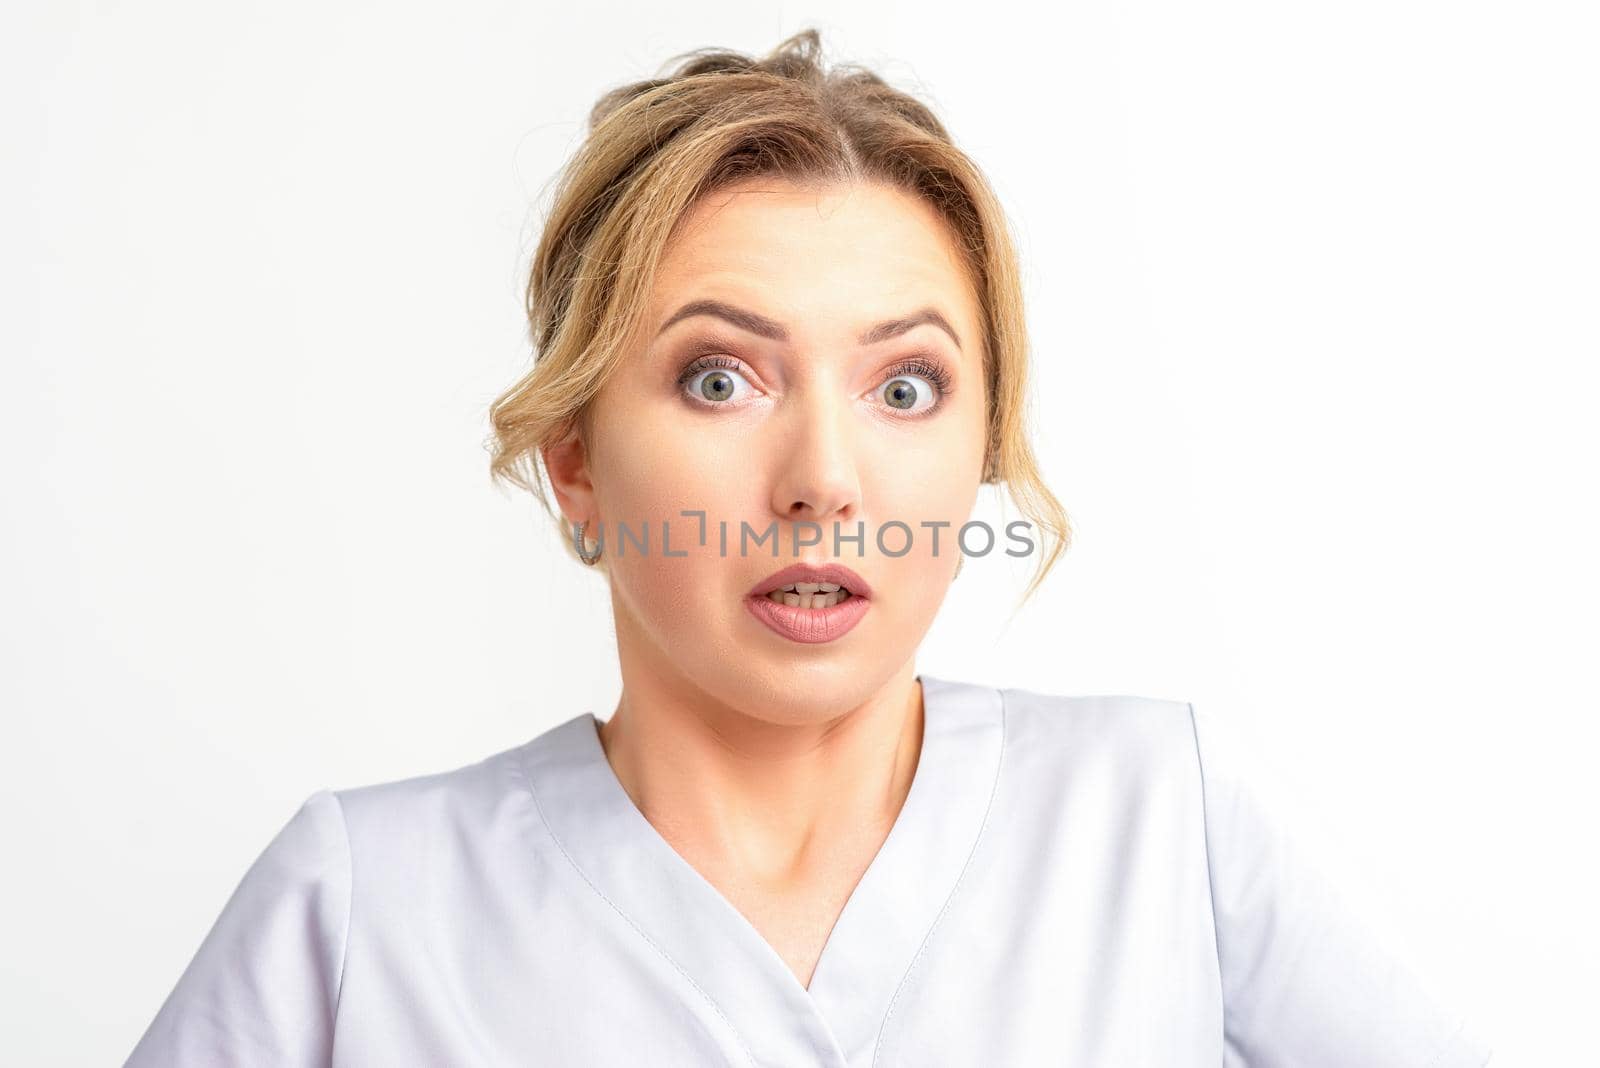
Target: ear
<point>567,464</point>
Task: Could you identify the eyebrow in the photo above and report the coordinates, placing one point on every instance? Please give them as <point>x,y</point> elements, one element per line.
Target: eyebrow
<point>768,328</point>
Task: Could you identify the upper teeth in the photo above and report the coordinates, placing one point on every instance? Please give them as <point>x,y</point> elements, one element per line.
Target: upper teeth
<point>809,594</point>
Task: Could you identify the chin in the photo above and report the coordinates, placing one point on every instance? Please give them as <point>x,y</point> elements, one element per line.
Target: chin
<point>793,688</point>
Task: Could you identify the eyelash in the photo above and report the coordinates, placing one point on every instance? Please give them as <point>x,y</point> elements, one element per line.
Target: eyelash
<point>915,365</point>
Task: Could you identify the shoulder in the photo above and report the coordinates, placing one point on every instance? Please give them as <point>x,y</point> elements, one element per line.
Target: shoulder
<point>1060,745</point>
<point>415,814</point>
<point>1118,718</point>
<point>1126,734</point>
<point>264,985</point>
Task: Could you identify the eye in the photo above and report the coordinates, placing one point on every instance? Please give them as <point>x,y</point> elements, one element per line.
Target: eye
<point>916,387</point>
<point>712,380</point>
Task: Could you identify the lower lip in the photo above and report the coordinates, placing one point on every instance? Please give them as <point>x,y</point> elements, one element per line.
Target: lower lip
<point>809,625</point>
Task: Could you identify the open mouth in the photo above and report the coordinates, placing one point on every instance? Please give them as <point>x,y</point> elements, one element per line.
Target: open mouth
<point>810,594</point>
<point>810,603</point>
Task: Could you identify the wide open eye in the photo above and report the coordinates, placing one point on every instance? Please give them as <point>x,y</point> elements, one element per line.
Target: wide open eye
<point>713,380</point>
<point>915,387</point>
<point>911,394</point>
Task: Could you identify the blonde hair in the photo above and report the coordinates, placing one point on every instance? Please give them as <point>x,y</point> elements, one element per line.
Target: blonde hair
<point>655,147</point>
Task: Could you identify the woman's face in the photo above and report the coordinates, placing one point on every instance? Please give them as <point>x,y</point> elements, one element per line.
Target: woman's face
<point>821,424</point>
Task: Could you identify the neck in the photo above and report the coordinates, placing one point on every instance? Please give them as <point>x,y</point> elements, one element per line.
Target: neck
<point>762,801</point>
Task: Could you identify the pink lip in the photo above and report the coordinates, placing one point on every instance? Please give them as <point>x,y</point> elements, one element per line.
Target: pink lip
<point>814,573</point>
<point>808,625</point>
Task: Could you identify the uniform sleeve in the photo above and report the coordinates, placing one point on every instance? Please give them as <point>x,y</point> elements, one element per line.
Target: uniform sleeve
<point>1304,982</point>
<point>263,988</point>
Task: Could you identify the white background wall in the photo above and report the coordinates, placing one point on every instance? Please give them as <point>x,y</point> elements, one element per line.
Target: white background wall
<point>1314,307</point>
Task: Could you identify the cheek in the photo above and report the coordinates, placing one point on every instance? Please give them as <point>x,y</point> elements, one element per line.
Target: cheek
<point>655,466</point>
<point>935,483</point>
<point>929,474</point>
<point>652,471</point>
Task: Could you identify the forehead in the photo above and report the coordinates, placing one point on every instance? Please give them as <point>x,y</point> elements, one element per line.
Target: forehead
<point>816,255</point>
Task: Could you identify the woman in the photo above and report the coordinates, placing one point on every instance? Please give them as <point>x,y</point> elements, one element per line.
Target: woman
<point>777,318</point>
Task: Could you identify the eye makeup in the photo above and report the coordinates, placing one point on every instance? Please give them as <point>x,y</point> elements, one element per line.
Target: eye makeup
<point>710,354</point>
<point>923,367</point>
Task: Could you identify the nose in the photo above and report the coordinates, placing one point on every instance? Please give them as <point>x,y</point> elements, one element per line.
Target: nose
<point>817,477</point>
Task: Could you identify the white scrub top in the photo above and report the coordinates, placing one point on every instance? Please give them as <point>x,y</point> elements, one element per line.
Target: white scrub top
<point>1072,880</point>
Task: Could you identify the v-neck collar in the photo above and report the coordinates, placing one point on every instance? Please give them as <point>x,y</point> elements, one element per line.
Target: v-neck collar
<point>877,937</point>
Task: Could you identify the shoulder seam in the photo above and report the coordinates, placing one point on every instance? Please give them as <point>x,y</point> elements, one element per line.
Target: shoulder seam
<point>1205,845</point>
<point>350,902</point>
